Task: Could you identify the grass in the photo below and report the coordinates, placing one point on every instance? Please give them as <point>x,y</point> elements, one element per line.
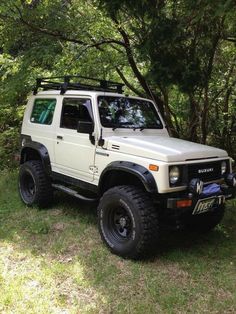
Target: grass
<point>53,261</point>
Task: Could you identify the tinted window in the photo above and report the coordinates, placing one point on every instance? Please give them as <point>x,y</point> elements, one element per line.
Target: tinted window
<point>74,110</point>
<point>43,111</point>
<point>124,112</point>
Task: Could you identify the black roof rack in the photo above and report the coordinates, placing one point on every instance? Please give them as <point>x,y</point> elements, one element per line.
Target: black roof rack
<point>76,82</point>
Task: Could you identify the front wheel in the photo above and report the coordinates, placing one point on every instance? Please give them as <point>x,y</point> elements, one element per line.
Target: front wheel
<point>128,221</point>
<point>34,185</point>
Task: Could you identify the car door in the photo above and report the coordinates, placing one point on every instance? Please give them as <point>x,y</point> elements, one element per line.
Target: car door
<point>74,152</point>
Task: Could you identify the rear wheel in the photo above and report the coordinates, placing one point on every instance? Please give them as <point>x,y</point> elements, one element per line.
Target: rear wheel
<point>207,221</point>
<point>34,185</point>
<point>128,221</point>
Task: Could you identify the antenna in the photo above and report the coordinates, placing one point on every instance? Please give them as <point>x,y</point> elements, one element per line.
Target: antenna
<point>101,140</point>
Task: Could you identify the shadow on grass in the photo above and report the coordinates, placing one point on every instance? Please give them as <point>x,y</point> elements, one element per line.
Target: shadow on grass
<point>73,206</point>
<point>69,210</point>
<point>67,235</point>
<point>222,237</point>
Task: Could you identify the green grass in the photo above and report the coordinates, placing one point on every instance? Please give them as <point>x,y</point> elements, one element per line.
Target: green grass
<point>53,261</point>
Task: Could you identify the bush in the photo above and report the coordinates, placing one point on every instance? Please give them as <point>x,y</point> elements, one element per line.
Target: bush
<point>9,146</point>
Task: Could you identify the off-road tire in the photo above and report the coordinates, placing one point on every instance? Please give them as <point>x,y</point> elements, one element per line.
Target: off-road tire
<point>206,222</point>
<point>34,185</point>
<point>141,218</point>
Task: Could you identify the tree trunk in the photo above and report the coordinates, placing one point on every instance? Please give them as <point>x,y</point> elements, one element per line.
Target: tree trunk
<point>204,120</point>
<point>193,119</point>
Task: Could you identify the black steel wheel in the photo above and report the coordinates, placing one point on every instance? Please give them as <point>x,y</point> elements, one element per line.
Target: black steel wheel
<point>119,223</point>
<point>128,221</point>
<point>34,185</point>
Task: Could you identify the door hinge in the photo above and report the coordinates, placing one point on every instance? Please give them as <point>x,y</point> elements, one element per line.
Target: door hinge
<point>93,169</point>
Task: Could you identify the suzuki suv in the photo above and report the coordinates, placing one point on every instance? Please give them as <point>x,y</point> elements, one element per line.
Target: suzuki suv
<point>86,138</point>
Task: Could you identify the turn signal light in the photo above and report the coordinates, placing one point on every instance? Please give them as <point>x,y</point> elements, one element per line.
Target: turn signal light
<point>184,203</point>
<point>153,167</point>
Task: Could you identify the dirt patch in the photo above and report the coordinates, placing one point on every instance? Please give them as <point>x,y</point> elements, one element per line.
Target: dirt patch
<point>59,226</point>
<point>56,212</point>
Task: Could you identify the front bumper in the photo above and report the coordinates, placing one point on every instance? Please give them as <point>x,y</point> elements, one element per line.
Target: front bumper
<point>177,209</point>
<point>189,201</point>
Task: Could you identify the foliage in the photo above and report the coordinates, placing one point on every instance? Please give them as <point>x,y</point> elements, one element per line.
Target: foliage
<point>186,44</point>
<point>179,53</point>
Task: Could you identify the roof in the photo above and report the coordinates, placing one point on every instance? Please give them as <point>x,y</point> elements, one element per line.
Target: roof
<point>85,93</point>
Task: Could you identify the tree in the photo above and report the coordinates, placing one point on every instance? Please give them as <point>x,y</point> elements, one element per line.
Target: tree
<point>179,53</point>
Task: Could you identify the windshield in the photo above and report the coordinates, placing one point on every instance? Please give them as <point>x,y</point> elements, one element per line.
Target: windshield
<point>123,112</point>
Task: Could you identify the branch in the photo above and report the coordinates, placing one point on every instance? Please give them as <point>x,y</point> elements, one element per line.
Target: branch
<point>131,60</point>
<point>135,69</point>
<point>211,59</point>
<point>226,85</point>
<point>136,91</point>
<point>61,36</point>
<point>231,39</point>
<point>116,48</point>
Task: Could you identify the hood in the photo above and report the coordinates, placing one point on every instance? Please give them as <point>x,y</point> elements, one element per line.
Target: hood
<point>167,149</point>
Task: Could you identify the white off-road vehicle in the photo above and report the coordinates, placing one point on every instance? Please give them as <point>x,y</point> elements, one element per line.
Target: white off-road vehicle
<point>93,142</point>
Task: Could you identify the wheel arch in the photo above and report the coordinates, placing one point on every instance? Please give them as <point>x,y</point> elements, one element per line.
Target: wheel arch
<point>35,151</point>
<point>124,172</point>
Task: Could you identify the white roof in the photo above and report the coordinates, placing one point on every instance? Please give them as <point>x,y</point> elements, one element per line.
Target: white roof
<point>84,93</point>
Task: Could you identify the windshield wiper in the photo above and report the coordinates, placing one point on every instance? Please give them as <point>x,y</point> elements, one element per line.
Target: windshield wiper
<point>139,128</point>
<point>134,128</point>
<point>115,126</point>
<point>122,125</point>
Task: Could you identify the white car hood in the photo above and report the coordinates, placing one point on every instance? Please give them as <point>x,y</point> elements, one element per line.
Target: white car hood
<point>163,148</point>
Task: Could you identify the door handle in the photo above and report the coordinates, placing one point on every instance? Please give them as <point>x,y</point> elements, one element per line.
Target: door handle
<point>59,137</point>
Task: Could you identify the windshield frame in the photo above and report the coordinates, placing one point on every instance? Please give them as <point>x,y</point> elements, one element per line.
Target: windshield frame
<point>133,126</point>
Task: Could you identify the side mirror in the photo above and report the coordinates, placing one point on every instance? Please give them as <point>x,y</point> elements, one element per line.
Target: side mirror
<point>85,127</point>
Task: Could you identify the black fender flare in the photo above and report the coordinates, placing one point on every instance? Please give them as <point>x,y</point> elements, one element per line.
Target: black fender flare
<point>139,171</point>
<point>40,149</point>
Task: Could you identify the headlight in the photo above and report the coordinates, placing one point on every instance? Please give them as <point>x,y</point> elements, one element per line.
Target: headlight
<point>174,174</point>
<point>231,179</point>
<point>223,167</point>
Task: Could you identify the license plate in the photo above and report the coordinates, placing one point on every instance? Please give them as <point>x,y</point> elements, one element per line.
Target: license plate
<point>207,204</point>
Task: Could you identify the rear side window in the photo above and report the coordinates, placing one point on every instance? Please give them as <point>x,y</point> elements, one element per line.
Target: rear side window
<point>43,111</point>
<point>74,110</point>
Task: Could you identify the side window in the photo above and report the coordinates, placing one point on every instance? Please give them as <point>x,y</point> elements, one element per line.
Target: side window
<point>74,110</point>
<point>43,111</point>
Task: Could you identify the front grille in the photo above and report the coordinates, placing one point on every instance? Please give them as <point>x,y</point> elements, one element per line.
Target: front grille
<point>207,171</point>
